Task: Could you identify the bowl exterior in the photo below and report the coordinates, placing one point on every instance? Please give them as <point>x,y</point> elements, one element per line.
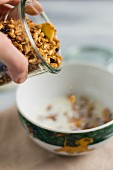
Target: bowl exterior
<point>67,143</point>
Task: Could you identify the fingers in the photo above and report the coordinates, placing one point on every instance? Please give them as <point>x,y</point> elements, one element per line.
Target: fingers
<point>3,11</point>
<point>16,63</point>
<point>11,2</point>
<point>33,8</point>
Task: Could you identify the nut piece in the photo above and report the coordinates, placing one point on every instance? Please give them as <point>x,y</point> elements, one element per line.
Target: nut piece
<point>12,35</point>
<point>1,26</point>
<point>52,117</point>
<point>107,115</point>
<point>72,99</point>
<point>49,107</point>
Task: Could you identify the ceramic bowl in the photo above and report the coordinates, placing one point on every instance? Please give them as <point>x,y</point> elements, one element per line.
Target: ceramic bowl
<point>86,79</point>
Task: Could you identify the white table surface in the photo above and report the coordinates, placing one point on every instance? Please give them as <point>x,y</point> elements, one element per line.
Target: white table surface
<point>78,23</point>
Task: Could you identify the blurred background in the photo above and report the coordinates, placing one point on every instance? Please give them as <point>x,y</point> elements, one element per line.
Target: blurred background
<point>85,29</point>
<point>82,23</point>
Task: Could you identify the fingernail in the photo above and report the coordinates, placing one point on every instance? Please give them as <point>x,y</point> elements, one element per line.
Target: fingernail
<point>21,80</point>
<point>34,8</point>
<point>39,7</point>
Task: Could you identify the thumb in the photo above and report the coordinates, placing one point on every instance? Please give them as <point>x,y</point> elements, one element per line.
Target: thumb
<point>15,61</point>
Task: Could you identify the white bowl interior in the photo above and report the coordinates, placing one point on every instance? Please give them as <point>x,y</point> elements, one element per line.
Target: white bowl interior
<point>83,78</point>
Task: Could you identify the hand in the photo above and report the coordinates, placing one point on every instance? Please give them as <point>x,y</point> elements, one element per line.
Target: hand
<point>15,61</point>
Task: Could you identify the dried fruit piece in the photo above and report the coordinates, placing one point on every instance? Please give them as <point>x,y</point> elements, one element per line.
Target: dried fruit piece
<point>48,30</point>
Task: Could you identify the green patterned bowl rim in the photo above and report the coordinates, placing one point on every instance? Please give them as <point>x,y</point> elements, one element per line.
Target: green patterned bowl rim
<point>84,63</point>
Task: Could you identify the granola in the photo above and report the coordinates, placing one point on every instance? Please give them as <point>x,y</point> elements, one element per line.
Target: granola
<point>44,36</point>
<point>75,113</point>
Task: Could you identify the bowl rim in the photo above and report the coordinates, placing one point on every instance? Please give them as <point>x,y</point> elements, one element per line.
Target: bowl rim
<point>41,125</point>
